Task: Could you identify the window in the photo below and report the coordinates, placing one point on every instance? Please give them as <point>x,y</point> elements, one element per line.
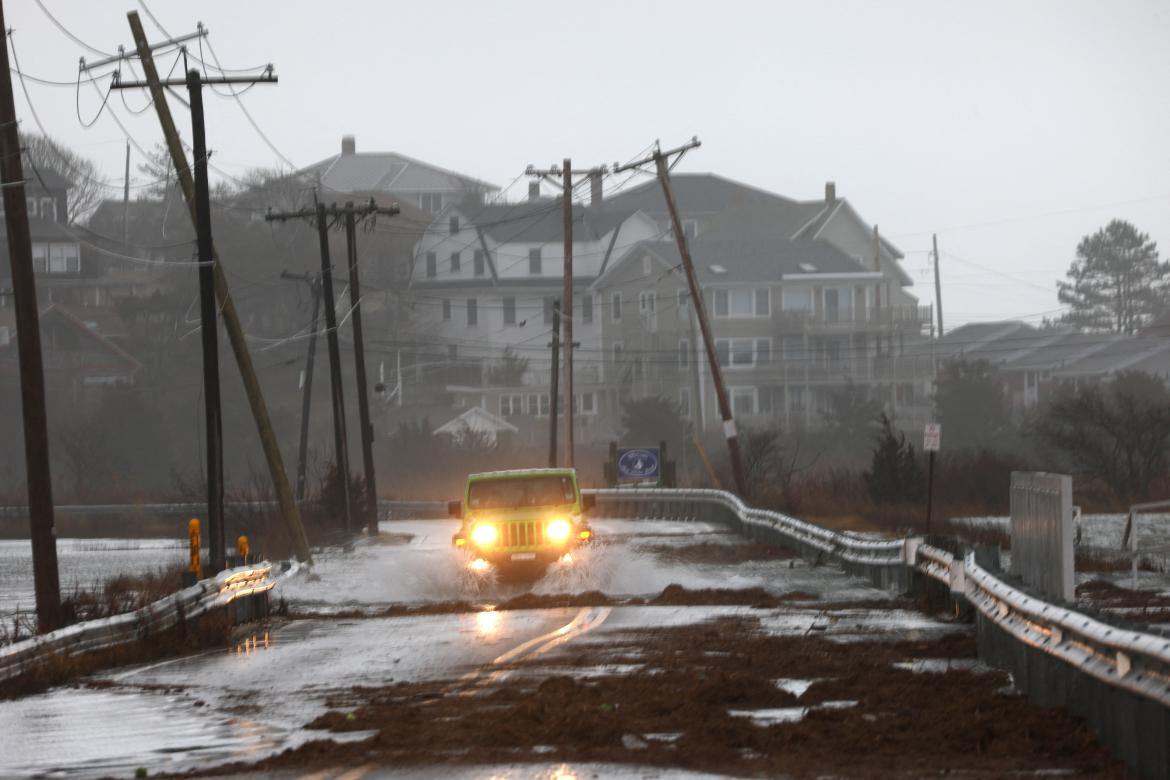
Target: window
<point>31,205</point>
<point>684,354</point>
<point>690,228</point>
<point>684,302</point>
<point>797,299</point>
<point>48,208</point>
<point>431,202</point>
<point>453,224</point>
<point>587,309</point>
<point>446,310</point>
<point>742,302</point>
<point>548,311</point>
<point>511,405</point>
<point>534,262</point>
<point>64,259</point>
<point>432,265</point>
<point>739,353</point>
<point>478,262</point>
<point>838,304</point>
<point>646,302</point>
<point>541,405</point>
<point>744,400</point>
<point>684,401</point>
<point>40,255</point>
<point>509,311</point>
<point>452,351</point>
<point>645,265</point>
<point>456,262</point>
<point>587,403</point>
<point>618,352</point>
<point>472,312</point>
<point>615,306</point>
<point>763,351</point>
<point>796,399</point>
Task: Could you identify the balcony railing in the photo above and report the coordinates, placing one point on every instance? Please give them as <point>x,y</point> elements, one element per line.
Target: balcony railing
<point>901,316</point>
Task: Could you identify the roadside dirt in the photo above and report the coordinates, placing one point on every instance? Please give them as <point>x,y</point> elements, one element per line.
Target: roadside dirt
<point>1143,606</point>
<point>675,711</point>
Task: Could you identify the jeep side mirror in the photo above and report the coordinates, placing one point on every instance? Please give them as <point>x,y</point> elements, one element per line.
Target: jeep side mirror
<point>455,509</point>
<point>588,502</point>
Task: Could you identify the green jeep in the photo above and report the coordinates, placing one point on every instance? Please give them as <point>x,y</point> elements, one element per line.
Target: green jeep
<point>522,518</point>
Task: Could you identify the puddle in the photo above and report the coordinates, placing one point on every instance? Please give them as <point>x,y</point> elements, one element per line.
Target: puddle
<point>794,686</point>
<point>774,716</point>
<point>944,665</point>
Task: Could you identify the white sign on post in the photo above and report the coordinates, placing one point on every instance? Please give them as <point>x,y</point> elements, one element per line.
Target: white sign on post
<point>932,437</point>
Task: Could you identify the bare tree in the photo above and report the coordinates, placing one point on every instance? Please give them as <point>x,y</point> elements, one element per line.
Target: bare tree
<point>43,153</point>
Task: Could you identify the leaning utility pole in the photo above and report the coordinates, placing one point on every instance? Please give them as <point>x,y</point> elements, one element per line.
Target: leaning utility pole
<point>566,172</point>
<point>937,287</point>
<point>350,213</point>
<point>32,375</point>
<point>230,316</point>
<point>307,385</point>
<point>663,166</point>
<point>554,374</point>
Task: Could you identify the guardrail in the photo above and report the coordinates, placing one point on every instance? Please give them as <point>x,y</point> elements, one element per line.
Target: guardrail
<point>229,587</point>
<point>1117,679</point>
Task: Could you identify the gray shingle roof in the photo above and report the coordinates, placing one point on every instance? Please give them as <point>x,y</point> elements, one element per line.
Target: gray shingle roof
<point>758,260</point>
<point>389,172</point>
<point>542,221</point>
<point>696,193</point>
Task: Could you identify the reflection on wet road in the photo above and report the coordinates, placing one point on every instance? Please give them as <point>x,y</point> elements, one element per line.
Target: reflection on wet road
<point>254,698</point>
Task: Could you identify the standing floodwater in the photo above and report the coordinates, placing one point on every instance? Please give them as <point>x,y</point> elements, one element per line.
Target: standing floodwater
<point>83,563</point>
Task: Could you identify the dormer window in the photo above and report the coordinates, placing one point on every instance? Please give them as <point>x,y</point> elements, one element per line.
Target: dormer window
<point>49,208</point>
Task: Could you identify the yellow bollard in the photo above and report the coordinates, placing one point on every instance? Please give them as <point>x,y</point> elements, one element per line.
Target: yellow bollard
<point>196,566</point>
<point>242,548</point>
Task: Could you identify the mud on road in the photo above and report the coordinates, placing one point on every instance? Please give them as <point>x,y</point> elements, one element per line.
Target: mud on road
<point>724,696</point>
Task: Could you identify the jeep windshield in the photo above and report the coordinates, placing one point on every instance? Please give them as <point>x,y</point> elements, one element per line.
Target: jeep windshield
<point>521,492</point>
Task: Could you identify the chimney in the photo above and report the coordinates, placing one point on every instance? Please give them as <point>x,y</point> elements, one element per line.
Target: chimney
<point>595,195</point>
<point>830,192</point>
<point>533,190</point>
<point>348,145</point>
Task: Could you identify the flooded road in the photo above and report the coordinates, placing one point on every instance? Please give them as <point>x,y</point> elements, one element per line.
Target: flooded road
<point>254,699</point>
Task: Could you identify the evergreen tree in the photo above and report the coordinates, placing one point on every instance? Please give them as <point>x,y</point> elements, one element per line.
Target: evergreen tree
<point>894,475</point>
<point>1116,283</point>
<point>969,403</point>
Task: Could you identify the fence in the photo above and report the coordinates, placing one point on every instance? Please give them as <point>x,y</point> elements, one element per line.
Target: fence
<point>243,592</point>
<point>1118,680</point>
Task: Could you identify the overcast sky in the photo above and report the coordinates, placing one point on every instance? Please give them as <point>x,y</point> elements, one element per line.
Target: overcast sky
<point>1012,129</point>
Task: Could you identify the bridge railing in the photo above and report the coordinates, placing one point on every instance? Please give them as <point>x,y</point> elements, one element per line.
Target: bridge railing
<point>1117,679</point>
<point>233,586</point>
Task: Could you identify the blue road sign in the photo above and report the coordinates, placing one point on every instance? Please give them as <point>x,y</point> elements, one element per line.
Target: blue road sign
<point>639,463</point>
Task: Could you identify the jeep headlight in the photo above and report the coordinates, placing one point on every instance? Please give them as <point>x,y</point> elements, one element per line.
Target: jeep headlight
<point>558,530</point>
<point>484,534</point>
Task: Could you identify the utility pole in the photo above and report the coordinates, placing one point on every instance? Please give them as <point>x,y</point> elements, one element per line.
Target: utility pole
<point>126,202</point>
<point>209,326</point>
<point>554,375</point>
<point>663,165</point>
<point>937,287</point>
<point>359,360</point>
<point>314,284</point>
<point>32,375</point>
<point>350,213</point>
<point>230,316</point>
<point>566,172</point>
